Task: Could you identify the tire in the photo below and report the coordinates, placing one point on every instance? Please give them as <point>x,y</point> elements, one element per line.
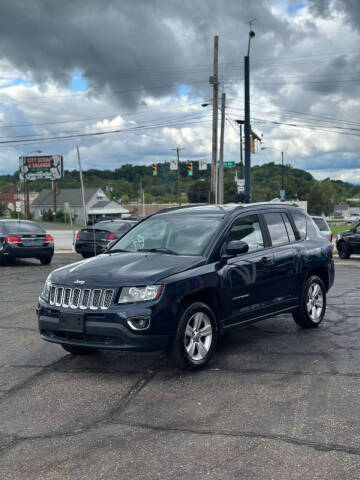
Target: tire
<point>343,250</point>
<point>190,350</point>
<point>45,260</point>
<point>87,255</point>
<point>312,304</point>
<point>78,350</point>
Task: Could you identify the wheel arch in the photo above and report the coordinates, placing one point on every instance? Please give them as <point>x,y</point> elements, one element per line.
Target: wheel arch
<point>323,274</point>
<point>208,296</point>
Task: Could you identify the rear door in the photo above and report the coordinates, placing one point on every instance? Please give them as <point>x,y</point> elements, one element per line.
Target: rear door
<point>248,277</point>
<point>286,254</point>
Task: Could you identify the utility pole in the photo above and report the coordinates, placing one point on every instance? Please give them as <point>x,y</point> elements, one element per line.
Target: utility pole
<point>241,155</point>
<point>178,173</point>
<point>282,171</point>
<point>82,187</point>
<point>54,197</point>
<point>221,163</point>
<point>214,82</point>
<point>247,118</point>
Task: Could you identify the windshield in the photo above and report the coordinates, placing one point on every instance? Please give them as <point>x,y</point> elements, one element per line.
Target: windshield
<point>177,234</point>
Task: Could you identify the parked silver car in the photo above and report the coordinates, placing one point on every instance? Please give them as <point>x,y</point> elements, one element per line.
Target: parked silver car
<point>324,228</point>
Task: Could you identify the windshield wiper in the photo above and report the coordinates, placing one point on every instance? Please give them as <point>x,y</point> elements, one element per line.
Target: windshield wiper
<point>117,250</point>
<point>159,250</point>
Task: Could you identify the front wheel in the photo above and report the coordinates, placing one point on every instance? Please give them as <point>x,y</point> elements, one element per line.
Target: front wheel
<point>74,350</point>
<point>312,304</point>
<point>344,250</point>
<point>196,337</point>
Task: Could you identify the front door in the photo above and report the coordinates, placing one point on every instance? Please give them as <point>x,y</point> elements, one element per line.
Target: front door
<point>247,277</point>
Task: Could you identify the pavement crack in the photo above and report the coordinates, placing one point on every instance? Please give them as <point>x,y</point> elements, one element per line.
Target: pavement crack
<point>319,446</point>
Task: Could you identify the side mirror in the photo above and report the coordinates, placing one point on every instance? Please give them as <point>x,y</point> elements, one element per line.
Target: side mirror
<point>236,247</point>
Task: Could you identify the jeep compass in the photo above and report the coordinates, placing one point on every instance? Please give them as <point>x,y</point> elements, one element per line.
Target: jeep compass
<point>182,277</point>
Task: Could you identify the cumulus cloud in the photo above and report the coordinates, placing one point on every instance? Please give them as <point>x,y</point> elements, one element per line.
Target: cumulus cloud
<point>146,64</point>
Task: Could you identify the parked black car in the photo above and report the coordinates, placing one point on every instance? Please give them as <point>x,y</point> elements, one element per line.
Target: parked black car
<point>25,239</point>
<point>183,276</point>
<point>348,242</point>
<point>96,239</point>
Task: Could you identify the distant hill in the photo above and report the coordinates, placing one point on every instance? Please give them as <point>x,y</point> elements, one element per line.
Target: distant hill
<point>124,183</point>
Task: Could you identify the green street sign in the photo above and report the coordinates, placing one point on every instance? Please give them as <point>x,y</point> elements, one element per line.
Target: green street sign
<point>228,164</point>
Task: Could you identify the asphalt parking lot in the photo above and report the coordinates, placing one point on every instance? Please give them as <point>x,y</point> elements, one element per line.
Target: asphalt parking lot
<point>276,402</point>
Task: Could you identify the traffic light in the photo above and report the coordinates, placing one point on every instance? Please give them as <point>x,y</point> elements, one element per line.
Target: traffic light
<point>190,169</point>
<point>154,169</point>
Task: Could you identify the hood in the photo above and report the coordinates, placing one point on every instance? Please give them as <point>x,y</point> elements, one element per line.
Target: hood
<point>120,269</point>
<point>346,233</point>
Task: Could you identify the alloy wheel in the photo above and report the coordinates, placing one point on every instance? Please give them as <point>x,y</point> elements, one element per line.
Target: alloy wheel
<point>198,336</point>
<point>315,302</point>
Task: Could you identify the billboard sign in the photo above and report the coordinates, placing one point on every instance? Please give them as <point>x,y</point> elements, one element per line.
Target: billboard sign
<point>41,167</point>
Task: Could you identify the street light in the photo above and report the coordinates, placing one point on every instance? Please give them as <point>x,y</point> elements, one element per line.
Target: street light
<point>282,164</point>
<point>26,190</point>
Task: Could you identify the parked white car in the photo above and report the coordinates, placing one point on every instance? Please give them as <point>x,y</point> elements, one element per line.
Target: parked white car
<point>323,226</point>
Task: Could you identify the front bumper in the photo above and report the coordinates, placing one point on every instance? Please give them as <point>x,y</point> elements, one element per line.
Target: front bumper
<point>103,330</point>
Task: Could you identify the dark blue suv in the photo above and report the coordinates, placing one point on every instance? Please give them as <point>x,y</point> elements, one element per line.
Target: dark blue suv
<point>180,278</point>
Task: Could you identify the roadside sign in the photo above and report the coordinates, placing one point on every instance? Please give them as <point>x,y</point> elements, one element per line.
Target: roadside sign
<point>45,167</point>
<point>173,164</point>
<point>18,209</point>
<point>18,204</point>
<point>202,164</point>
<point>282,194</point>
<point>228,164</point>
<point>240,183</point>
<point>67,206</point>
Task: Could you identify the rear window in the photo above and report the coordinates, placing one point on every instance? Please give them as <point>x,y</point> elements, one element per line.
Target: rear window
<point>23,228</point>
<point>321,224</point>
<point>300,223</point>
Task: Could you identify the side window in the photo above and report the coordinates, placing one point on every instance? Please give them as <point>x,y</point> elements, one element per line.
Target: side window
<point>357,228</point>
<point>247,229</point>
<point>300,222</point>
<point>289,228</point>
<point>277,229</point>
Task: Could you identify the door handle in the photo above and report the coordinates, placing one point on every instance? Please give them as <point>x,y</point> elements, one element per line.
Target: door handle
<point>266,260</point>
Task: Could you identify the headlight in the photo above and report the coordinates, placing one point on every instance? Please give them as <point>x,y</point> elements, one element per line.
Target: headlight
<point>46,290</point>
<point>140,294</point>
<point>338,236</point>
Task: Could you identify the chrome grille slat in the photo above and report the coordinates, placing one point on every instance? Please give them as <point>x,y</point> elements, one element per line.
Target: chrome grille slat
<point>85,297</point>
<point>106,299</point>
<point>78,298</point>
<point>95,299</point>
<point>75,298</point>
<point>59,296</point>
<point>67,297</point>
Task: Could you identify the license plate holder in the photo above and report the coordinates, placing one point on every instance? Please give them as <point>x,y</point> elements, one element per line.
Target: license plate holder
<point>29,242</point>
<point>71,322</point>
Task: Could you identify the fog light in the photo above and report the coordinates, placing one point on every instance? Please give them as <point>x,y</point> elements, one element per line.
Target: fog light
<point>139,323</point>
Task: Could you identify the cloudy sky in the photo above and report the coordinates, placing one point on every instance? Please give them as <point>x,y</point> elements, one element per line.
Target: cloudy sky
<point>135,73</point>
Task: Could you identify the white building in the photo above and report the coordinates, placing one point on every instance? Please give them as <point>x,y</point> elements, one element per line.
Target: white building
<point>97,204</point>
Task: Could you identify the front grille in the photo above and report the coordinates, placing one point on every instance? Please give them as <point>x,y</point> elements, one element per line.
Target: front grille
<point>94,299</point>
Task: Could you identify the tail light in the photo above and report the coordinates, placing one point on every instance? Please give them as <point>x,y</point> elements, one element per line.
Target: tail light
<point>77,235</point>
<point>331,237</point>
<point>13,240</point>
<point>111,236</point>
<point>49,239</point>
